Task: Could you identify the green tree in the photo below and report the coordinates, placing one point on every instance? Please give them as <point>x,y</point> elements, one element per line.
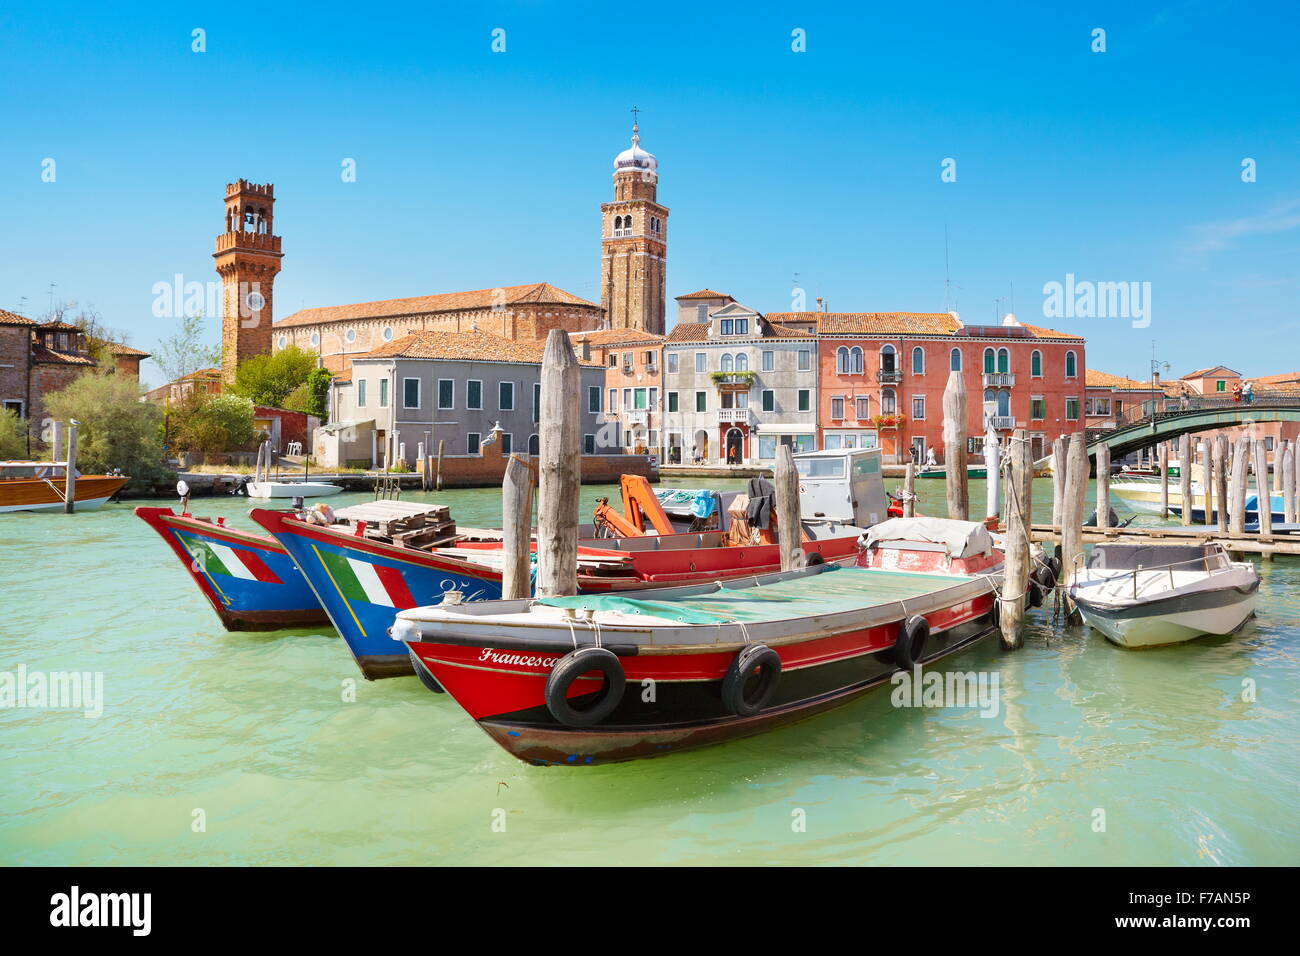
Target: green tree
<point>185,352</point>
<point>13,435</point>
<point>312,395</point>
<point>269,380</point>
<point>202,422</point>
<point>116,429</point>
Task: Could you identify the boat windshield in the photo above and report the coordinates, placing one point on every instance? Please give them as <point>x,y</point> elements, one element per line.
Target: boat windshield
<point>33,470</point>
<point>820,467</point>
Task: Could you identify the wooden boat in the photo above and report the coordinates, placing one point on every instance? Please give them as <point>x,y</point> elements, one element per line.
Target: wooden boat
<point>1144,595</point>
<point>561,681</point>
<point>939,471</point>
<point>249,579</point>
<point>39,486</point>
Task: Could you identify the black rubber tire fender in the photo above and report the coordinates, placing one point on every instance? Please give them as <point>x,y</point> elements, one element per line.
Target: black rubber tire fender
<point>909,646</point>
<point>751,657</point>
<point>573,665</point>
<point>1035,594</point>
<point>422,672</point>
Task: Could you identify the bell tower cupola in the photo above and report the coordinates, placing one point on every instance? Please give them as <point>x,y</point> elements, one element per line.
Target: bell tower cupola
<point>634,236</point>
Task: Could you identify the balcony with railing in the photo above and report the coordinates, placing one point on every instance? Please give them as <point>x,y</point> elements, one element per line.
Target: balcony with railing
<point>889,376</point>
<point>731,416</point>
<point>999,379</point>
<point>636,416</point>
<point>1001,422</point>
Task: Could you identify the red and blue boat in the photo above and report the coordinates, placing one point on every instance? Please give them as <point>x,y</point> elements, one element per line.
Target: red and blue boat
<point>249,579</point>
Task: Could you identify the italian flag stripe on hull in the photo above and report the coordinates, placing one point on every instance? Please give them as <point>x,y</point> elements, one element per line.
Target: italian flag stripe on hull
<point>216,558</point>
<point>371,583</point>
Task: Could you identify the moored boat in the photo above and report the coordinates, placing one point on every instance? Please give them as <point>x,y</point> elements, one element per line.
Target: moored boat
<point>563,680</point>
<point>39,486</point>
<point>1145,595</point>
<point>249,579</point>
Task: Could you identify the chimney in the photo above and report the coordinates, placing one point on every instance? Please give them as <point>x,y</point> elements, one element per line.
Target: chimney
<point>821,306</point>
<point>584,349</point>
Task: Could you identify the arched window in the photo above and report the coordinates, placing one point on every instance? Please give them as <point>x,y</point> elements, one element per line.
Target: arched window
<point>954,360</point>
<point>1004,402</point>
<point>534,445</point>
<point>742,362</point>
<point>1004,361</point>
<point>727,365</point>
<point>887,359</point>
<point>918,361</point>
<point>855,360</point>
<point>842,360</point>
<point>1071,365</point>
<point>988,361</point>
<point>1036,363</point>
<point>888,401</point>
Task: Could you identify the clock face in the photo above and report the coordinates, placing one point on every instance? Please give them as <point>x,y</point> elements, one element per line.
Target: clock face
<point>255,301</point>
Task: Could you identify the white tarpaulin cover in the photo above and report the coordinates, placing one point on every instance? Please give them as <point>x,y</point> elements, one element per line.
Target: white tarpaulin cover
<point>961,539</point>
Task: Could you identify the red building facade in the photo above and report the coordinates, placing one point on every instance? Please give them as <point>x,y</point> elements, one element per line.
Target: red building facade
<point>882,378</point>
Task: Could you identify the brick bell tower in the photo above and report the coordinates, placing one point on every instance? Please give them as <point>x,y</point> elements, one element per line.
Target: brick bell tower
<point>633,243</point>
<point>248,259</point>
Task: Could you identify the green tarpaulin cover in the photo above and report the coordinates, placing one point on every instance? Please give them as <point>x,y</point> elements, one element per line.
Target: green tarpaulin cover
<point>831,591</point>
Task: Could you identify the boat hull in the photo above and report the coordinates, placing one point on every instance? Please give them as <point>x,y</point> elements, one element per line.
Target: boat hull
<point>249,580</point>
<point>291,489</point>
<point>504,690</point>
<point>36,495</point>
<point>1175,620</point>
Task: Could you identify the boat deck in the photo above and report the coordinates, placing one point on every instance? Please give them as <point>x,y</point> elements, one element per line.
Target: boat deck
<point>833,591</point>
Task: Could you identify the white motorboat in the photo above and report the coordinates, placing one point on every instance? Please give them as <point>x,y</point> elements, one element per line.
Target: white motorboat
<point>1145,595</point>
<point>290,489</point>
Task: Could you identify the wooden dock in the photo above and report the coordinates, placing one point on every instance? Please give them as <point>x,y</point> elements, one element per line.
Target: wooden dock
<point>1244,542</point>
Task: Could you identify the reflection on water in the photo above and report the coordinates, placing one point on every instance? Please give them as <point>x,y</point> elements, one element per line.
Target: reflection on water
<point>253,731</point>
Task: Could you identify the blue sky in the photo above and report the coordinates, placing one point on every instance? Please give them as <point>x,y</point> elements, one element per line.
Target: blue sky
<point>478,169</point>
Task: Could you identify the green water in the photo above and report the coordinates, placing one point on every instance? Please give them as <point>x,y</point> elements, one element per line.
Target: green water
<point>254,731</point>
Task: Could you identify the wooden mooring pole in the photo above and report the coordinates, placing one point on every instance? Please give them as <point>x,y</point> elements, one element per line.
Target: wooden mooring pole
<point>1278,448</point>
<point>1103,485</point>
<point>1263,503</point>
<point>1060,464</point>
<point>788,519</point>
<point>70,477</point>
<point>1237,500</point>
<point>441,444</point>
<point>1185,478</point>
<point>560,464</point>
<point>993,474</point>
<point>1221,481</point>
<point>954,446</point>
<point>1207,480</point>
<point>909,490</point>
<point>517,522</point>
<point>1072,506</point>
<point>1015,577</point>
<point>1288,483</point>
<point>1163,465</point>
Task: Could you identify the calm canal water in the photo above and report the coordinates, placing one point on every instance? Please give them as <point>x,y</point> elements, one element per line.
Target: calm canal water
<point>254,732</point>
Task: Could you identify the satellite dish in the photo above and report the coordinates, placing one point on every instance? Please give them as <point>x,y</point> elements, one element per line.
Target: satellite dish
<point>182,488</point>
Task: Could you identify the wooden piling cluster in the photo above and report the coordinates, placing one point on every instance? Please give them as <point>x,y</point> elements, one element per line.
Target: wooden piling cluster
<point>1015,550</point>
<point>954,446</point>
<point>559,469</point>
<point>788,519</point>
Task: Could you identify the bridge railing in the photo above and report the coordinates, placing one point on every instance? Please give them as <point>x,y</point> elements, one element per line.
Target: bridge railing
<point>1144,414</point>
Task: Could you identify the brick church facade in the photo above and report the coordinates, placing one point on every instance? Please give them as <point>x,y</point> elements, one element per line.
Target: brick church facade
<point>633,247</point>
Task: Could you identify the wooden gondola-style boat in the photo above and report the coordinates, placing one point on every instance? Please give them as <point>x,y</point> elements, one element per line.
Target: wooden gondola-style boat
<point>563,680</point>
<point>39,486</point>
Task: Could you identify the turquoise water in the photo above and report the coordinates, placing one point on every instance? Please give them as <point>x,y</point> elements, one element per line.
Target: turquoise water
<point>257,736</point>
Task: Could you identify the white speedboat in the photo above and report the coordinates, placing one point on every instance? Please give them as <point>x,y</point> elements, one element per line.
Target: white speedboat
<point>1144,595</point>
<point>290,489</point>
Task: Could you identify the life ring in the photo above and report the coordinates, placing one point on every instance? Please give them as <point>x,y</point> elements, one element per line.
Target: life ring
<point>573,665</point>
<point>909,646</point>
<point>422,672</point>
<point>750,658</point>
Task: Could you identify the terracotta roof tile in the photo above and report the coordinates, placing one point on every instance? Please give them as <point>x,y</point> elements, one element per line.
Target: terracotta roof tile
<point>116,348</point>
<point>1041,333</point>
<point>57,325</point>
<point>470,346</point>
<point>1202,372</point>
<point>875,323</point>
<point>617,337</point>
<point>1285,378</point>
<point>13,318</point>
<point>705,294</point>
<point>43,356</point>
<point>1094,378</point>
<point>689,332</point>
<point>538,293</point>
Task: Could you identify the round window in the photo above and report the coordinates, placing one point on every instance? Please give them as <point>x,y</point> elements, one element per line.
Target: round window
<point>284,340</point>
<point>352,335</point>
<point>388,334</point>
<point>315,338</point>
